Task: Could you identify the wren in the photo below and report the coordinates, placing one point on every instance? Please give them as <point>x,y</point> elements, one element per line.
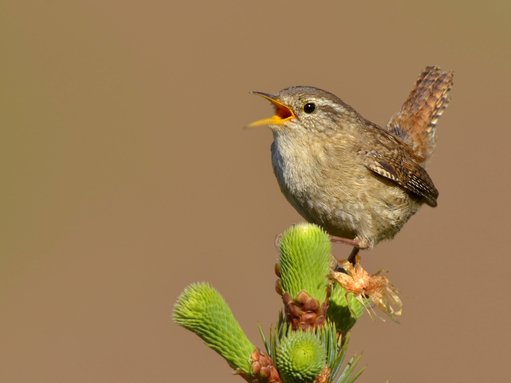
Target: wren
<point>357,180</point>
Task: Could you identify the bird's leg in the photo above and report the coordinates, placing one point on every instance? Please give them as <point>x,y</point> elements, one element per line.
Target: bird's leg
<point>352,258</point>
<point>361,243</point>
<point>347,241</point>
<point>357,245</point>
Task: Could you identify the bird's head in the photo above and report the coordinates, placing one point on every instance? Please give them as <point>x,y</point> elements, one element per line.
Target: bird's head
<point>304,108</point>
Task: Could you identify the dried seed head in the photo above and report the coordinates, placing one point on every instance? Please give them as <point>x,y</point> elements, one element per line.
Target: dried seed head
<point>375,287</point>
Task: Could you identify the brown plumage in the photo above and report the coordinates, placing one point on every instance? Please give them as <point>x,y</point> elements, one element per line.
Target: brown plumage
<point>416,122</point>
<point>358,181</point>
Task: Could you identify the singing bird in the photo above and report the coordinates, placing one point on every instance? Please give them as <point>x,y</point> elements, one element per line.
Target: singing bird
<point>358,181</point>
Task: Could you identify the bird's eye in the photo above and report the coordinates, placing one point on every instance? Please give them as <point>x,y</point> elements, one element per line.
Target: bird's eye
<point>309,108</point>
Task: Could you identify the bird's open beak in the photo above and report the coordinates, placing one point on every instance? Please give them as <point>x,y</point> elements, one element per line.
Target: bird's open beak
<point>282,112</point>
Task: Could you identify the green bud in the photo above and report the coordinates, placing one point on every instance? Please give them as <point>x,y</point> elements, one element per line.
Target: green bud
<point>202,310</point>
<point>301,357</point>
<point>305,256</point>
<point>338,311</point>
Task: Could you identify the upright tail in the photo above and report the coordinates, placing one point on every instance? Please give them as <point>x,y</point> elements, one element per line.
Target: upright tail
<point>416,122</point>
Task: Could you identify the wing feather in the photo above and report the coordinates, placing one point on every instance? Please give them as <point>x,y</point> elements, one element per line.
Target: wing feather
<point>391,158</point>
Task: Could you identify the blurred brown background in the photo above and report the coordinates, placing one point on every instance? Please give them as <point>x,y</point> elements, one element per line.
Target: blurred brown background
<point>126,176</point>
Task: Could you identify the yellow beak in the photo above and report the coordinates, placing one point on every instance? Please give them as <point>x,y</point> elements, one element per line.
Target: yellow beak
<point>282,112</point>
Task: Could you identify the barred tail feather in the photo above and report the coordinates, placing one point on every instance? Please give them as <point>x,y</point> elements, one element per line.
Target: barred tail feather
<point>416,122</point>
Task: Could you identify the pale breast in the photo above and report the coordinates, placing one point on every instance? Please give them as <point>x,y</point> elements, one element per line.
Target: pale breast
<point>336,192</point>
